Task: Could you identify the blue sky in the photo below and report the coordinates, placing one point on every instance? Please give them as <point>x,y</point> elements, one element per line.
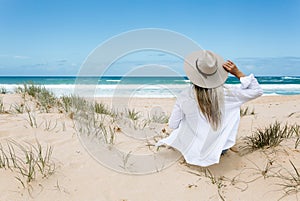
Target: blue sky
<point>54,37</point>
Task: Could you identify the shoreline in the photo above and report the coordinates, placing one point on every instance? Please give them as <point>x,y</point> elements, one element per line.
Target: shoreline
<point>144,89</point>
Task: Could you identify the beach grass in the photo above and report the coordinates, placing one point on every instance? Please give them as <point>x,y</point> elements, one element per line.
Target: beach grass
<point>28,160</point>
<point>95,128</point>
<point>246,111</point>
<point>296,130</point>
<point>101,108</point>
<point>289,180</point>
<point>75,103</point>
<point>132,114</point>
<point>92,120</point>
<point>50,125</point>
<point>108,133</point>
<point>18,108</point>
<point>45,98</point>
<point>218,181</point>
<point>2,110</point>
<point>160,118</point>
<point>66,103</point>
<point>3,90</point>
<point>270,136</point>
<point>31,119</point>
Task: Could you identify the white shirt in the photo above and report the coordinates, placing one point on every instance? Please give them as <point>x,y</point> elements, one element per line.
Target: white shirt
<point>193,135</point>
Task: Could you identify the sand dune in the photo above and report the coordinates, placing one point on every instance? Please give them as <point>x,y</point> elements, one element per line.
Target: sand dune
<point>78,176</point>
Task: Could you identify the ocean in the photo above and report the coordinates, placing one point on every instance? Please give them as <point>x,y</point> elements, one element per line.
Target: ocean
<point>152,87</point>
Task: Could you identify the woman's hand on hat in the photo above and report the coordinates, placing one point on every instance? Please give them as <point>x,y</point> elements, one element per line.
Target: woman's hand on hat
<point>230,67</point>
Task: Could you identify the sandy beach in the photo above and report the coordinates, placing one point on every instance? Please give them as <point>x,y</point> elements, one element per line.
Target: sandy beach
<point>260,175</point>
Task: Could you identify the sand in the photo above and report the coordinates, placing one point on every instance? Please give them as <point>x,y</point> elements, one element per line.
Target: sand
<point>78,176</point>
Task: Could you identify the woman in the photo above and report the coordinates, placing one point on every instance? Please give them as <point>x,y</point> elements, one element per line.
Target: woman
<point>206,115</point>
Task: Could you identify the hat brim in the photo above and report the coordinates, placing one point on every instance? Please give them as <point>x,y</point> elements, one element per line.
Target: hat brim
<point>205,81</point>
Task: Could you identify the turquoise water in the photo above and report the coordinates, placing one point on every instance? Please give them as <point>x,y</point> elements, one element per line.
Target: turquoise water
<point>45,80</point>
<point>143,86</point>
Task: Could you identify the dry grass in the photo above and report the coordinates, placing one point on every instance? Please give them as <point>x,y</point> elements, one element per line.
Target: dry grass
<point>49,125</point>
<point>18,108</point>
<point>2,110</point>
<point>296,130</point>
<point>290,181</point>
<point>246,111</point>
<point>218,181</point>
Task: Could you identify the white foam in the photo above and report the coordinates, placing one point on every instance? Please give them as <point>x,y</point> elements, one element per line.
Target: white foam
<point>281,86</point>
<point>143,90</point>
<point>291,78</point>
<point>113,80</point>
<point>271,94</point>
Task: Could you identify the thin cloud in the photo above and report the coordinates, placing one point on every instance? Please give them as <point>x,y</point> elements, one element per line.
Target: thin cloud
<point>160,54</point>
<point>62,61</point>
<point>21,57</point>
<point>14,56</point>
<point>270,65</point>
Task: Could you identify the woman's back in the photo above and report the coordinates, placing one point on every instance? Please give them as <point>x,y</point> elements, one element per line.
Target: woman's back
<point>205,119</point>
<point>193,135</point>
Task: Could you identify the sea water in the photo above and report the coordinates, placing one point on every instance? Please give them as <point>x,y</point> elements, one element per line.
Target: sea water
<point>152,87</point>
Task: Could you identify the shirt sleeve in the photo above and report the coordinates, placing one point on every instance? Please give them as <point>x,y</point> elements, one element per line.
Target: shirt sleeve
<point>249,89</point>
<point>176,116</point>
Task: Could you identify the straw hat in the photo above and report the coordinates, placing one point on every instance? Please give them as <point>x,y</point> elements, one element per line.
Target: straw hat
<point>204,69</point>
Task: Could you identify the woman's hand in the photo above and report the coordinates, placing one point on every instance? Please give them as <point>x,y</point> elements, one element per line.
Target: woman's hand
<point>230,67</point>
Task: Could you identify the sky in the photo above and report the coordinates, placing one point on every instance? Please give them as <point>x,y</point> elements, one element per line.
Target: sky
<point>39,37</point>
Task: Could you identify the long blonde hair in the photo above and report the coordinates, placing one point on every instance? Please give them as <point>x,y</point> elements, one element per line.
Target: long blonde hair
<point>211,104</point>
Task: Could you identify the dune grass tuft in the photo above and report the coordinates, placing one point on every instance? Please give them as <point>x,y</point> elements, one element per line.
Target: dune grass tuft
<point>270,136</point>
<point>3,90</point>
<point>74,103</point>
<point>246,111</point>
<point>101,108</point>
<point>218,181</point>
<point>93,120</point>
<point>45,98</point>
<point>296,129</point>
<point>31,119</point>
<point>132,114</point>
<point>49,125</point>
<point>28,160</point>
<point>290,181</point>
<point>162,118</point>
<point>2,110</point>
<point>18,108</point>
<point>66,103</point>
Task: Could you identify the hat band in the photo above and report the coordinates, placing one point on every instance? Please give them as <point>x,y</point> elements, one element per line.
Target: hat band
<point>204,74</point>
